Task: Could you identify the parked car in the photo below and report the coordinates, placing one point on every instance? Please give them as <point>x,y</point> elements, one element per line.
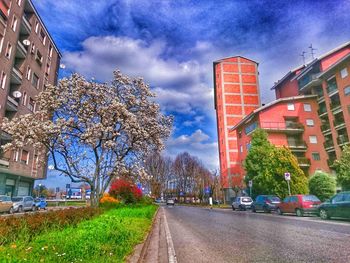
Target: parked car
<point>6,204</point>
<point>170,202</point>
<point>337,206</point>
<point>266,203</point>
<point>23,203</point>
<point>40,203</point>
<point>242,203</point>
<point>299,204</point>
<point>217,202</point>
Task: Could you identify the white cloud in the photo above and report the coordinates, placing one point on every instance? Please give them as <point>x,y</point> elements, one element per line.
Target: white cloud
<point>197,144</point>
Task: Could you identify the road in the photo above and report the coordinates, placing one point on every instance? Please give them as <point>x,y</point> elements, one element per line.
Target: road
<point>204,235</point>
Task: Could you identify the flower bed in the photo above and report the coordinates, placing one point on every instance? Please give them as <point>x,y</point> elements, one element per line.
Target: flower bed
<point>28,226</point>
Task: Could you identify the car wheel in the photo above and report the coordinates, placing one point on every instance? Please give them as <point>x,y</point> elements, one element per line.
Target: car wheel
<point>266,210</point>
<point>11,210</point>
<point>279,211</point>
<point>233,208</point>
<point>299,212</point>
<point>324,214</point>
<point>20,209</point>
<point>240,207</point>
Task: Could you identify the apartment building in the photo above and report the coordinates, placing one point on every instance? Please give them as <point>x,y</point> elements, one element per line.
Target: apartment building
<point>327,77</point>
<point>236,90</point>
<point>291,122</point>
<point>29,59</point>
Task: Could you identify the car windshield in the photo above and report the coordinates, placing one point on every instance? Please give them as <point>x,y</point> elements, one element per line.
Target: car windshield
<point>17,199</point>
<point>273,199</point>
<point>310,198</point>
<point>246,199</point>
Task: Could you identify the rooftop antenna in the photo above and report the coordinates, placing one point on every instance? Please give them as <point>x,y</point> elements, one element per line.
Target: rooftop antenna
<point>312,51</point>
<point>303,55</point>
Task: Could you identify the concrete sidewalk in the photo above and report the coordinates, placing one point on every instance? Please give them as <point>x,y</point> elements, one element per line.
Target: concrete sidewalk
<point>158,246</point>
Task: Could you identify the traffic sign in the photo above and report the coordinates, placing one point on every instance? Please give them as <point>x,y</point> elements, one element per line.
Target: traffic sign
<point>287,176</point>
<point>250,183</point>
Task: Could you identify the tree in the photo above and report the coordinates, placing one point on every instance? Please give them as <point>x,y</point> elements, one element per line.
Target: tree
<point>93,131</point>
<point>125,190</point>
<point>342,167</point>
<point>323,185</point>
<point>266,164</point>
<point>40,190</point>
<point>159,170</point>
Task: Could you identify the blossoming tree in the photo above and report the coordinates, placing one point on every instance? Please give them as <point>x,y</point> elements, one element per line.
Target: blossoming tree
<point>93,132</point>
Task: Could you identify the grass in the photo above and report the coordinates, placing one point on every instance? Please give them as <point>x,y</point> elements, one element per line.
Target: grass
<point>68,203</point>
<point>109,237</point>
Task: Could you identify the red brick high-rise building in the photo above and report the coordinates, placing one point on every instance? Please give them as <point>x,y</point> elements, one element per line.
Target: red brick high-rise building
<point>236,95</point>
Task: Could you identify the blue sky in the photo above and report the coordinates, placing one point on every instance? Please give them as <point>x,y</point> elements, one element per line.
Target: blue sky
<point>172,44</point>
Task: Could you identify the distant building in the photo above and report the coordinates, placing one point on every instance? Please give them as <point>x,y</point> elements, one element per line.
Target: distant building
<point>29,60</point>
<point>236,95</point>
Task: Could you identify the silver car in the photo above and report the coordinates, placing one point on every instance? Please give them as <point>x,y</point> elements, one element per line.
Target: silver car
<point>242,203</point>
<point>23,203</point>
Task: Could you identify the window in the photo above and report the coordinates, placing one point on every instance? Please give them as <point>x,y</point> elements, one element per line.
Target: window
<point>344,73</point>
<point>35,81</point>
<point>16,156</point>
<point>24,98</point>
<point>14,23</point>
<point>310,122</point>
<point>48,69</point>
<point>29,73</point>
<point>347,91</point>
<point>31,105</point>
<point>251,128</point>
<point>248,146</point>
<point>42,36</point>
<point>290,106</point>
<point>241,148</point>
<point>32,50</point>
<point>3,80</point>
<point>1,41</point>
<point>316,156</point>
<point>313,139</point>
<point>36,27</point>
<point>19,2</point>
<point>307,107</point>
<point>39,57</point>
<point>24,157</point>
<point>50,51</point>
<point>8,51</point>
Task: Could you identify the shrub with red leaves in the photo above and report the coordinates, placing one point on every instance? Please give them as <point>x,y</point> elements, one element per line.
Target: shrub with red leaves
<point>125,190</point>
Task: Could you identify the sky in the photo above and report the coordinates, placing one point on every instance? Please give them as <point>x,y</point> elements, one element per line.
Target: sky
<point>172,45</point>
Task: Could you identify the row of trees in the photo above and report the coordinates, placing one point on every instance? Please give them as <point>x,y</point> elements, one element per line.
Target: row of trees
<point>185,176</point>
<point>266,164</point>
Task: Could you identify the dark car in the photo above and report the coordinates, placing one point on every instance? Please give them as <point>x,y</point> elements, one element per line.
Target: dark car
<point>299,204</point>
<point>337,206</point>
<point>40,203</point>
<point>266,203</point>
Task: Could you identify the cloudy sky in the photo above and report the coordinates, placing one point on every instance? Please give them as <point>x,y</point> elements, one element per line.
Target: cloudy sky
<point>172,44</point>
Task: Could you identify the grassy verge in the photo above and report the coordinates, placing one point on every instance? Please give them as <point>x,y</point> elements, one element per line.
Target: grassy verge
<point>107,238</point>
<point>69,203</point>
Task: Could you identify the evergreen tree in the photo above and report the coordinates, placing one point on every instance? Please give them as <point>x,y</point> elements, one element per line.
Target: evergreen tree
<point>322,185</point>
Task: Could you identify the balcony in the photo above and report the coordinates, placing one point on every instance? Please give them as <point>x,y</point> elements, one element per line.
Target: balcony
<point>332,87</point>
<point>309,81</point>
<point>330,162</point>
<point>290,127</point>
<point>16,76</point>
<point>297,146</point>
<point>11,104</point>
<point>26,26</point>
<point>335,105</point>
<point>325,127</point>
<point>342,139</point>
<point>303,161</point>
<point>328,144</point>
<point>21,51</point>
<point>339,123</point>
<point>322,111</point>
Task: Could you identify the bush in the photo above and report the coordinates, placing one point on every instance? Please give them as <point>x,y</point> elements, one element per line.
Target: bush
<point>108,201</point>
<point>26,227</point>
<point>126,191</point>
<point>323,185</point>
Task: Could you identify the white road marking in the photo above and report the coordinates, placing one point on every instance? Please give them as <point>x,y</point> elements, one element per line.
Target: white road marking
<point>169,240</point>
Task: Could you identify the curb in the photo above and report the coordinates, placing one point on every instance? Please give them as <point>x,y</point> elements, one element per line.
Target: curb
<point>139,252</point>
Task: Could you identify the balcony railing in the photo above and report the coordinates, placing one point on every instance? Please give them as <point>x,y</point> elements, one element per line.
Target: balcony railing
<point>322,111</point>
<point>335,104</point>
<point>310,80</point>
<point>332,87</point>
<point>325,127</point>
<point>303,161</point>
<point>26,23</point>
<point>342,139</point>
<point>297,144</point>
<point>281,126</point>
<point>328,144</point>
<point>338,122</point>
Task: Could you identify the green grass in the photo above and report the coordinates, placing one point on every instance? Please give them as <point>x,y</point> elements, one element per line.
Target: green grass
<point>69,203</point>
<point>107,238</point>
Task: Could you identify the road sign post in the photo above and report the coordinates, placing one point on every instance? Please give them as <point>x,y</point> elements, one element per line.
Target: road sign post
<point>250,183</point>
<point>287,178</point>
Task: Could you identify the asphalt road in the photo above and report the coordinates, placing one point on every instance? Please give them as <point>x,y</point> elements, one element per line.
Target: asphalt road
<point>204,235</point>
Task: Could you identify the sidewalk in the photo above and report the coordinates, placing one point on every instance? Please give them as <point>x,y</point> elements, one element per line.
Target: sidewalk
<point>158,246</point>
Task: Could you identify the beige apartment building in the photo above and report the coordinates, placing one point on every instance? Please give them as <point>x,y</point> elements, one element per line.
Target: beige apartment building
<point>29,59</point>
